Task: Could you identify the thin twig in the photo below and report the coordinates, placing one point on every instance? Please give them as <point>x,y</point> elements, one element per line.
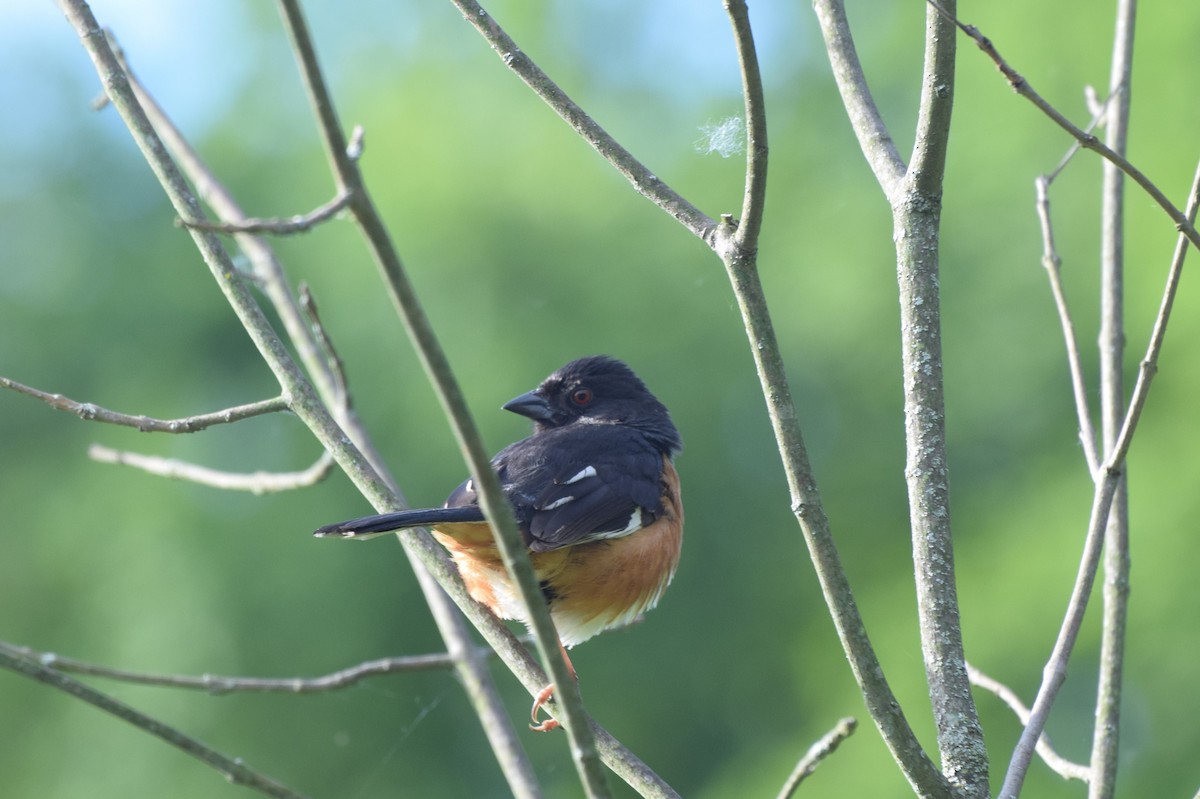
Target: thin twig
<point>90,412</point>
<point>1149,365</point>
<point>337,366</point>
<point>1060,765</point>
<point>217,684</point>
<point>284,226</point>
<point>644,181</point>
<point>1055,671</point>
<point>1053,266</point>
<point>823,748</point>
<point>1099,111</point>
<point>876,142</point>
<point>512,549</point>
<point>1086,140</point>
<point>755,195</point>
<point>234,769</point>
<point>254,482</point>
<point>1054,674</point>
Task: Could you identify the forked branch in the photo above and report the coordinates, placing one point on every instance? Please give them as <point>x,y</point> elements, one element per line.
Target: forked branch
<point>90,412</point>
<point>217,684</point>
<point>1086,140</point>
<point>234,769</point>
<point>1055,671</point>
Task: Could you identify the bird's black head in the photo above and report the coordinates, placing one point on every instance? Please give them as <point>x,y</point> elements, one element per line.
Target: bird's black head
<point>598,390</point>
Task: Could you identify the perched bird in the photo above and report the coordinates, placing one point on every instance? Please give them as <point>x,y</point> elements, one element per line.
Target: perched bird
<point>596,497</point>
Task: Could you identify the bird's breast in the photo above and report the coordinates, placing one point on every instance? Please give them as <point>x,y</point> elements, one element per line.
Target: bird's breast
<point>590,587</point>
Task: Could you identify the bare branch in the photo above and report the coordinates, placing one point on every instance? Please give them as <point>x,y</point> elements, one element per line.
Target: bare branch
<point>254,482</point>
<point>873,137</point>
<point>1149,364</point>
<point>927,167</point>
<point>337,366</point>
<point>1086,140</point>
<point>216,684</point>
<point>233,769</point>
<point>756,127</point>
<point>1115,596</point>
<point>1053,265</point>
<point>916,213</point>
<point>644,181</point>
<point>91,412</point>
<point>286,226</point>
<point>1054,674</point>
<point>823,748</point>
<point>1064,768</point>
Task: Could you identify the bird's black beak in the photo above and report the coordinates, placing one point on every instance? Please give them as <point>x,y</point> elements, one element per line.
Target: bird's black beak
<point>530,404</point>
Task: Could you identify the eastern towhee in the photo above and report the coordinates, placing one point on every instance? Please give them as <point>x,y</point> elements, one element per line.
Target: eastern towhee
<point>596,497</point>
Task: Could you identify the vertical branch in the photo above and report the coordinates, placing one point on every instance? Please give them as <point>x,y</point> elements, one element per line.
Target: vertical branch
<point>917,217</point>
<point>1052,263</point>
<point>1106,735</point>
<point>754,198</point>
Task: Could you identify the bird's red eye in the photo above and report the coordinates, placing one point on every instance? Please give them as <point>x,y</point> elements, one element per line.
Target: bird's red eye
<point>581,396</point>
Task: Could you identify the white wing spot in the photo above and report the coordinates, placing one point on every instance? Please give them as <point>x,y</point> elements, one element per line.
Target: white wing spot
<point>635,523</point>
<point>558,503</point>
<point>590,471</point>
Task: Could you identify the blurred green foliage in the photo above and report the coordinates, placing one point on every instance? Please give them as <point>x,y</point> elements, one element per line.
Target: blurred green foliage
<point>527,251</point>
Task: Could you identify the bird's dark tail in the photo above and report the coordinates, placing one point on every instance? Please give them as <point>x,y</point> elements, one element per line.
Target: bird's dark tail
<point>371,526</point>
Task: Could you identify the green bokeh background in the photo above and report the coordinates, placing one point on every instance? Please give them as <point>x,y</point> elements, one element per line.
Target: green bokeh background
<point>528,250</point>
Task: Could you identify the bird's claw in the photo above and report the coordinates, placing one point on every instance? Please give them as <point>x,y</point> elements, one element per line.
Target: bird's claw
<point>542,697</point>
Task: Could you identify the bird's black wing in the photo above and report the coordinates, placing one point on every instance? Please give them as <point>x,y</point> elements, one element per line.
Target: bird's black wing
<point>576,484</point>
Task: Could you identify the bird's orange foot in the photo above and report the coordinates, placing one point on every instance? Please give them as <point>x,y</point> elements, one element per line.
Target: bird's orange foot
<point>542,697</point>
